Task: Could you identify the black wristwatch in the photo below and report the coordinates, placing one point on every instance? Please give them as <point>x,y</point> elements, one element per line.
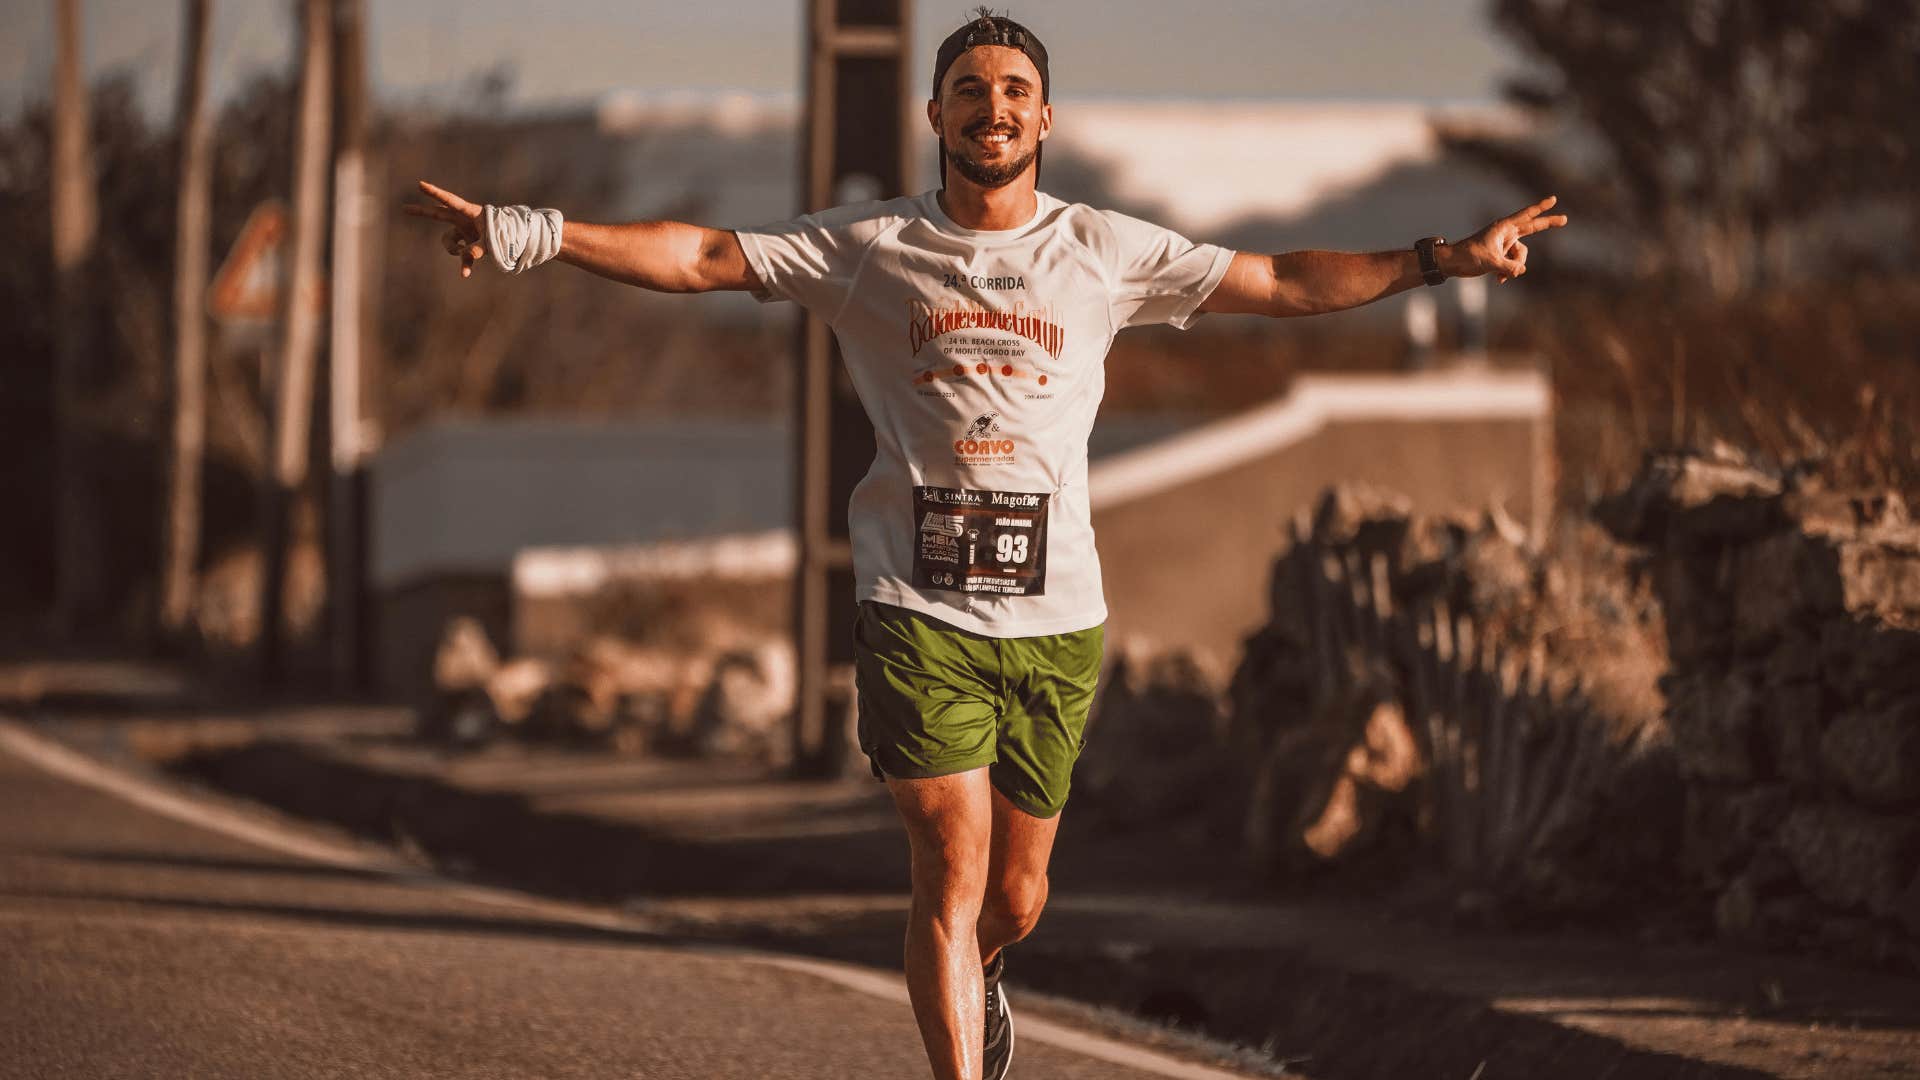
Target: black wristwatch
<point>1429,262</point>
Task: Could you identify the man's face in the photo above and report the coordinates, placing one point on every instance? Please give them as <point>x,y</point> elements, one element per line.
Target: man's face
<point>989,115</point>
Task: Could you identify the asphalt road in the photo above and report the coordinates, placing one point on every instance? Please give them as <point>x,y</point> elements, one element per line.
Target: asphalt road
<point>133,944</point>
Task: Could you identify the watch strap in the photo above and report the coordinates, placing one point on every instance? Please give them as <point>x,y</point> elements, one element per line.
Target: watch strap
<point>1429,260</point>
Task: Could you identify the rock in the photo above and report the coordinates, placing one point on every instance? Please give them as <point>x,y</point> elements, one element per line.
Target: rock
<point>1822,510</point>
<point>1792,719</point>
<point>1724,827</point>
<point>1852,858</point>
<point>1697,606</point>
<point>466,659</point>
<point>1778,580</point>
<point>1907,908</point>
<point>1794,658</point>
<point>1715,725</point>
<point>1880,576</point>
<point>1858,656</point>
<point>1694,500</point>
<point>1736,914</point>
<point>1875,755</point>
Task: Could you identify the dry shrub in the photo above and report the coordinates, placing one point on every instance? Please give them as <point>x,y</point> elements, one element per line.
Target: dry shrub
<point>1828,371</point>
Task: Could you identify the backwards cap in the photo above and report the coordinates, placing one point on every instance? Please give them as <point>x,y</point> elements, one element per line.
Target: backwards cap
<point>990,30</point>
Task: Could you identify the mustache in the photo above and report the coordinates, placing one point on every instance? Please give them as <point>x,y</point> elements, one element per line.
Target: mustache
<point>988,127</point>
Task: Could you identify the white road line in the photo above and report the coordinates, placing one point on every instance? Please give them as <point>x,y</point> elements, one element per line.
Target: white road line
<point>50,756</point>
<point>1098,1047</point>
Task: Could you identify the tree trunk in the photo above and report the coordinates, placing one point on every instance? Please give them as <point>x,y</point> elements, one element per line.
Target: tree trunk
<point>181,536</point>
<point>293,384</point>
<point>75,214</point>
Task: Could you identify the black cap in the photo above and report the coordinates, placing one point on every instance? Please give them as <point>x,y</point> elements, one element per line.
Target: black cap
<point>990,30</point>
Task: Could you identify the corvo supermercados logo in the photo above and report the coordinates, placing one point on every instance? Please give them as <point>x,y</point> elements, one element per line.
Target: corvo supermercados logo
<point>981,446</point>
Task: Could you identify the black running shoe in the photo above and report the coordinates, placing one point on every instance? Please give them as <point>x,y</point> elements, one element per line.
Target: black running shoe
<point>998,1057</point>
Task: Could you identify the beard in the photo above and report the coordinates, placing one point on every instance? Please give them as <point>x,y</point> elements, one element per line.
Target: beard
<point>988,176</point>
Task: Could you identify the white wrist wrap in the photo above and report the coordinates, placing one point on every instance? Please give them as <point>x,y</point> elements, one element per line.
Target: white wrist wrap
<point>521,237</point>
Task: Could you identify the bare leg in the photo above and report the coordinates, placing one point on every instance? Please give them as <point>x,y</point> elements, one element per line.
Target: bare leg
<point>949,822</point>
<point>1016,876</point>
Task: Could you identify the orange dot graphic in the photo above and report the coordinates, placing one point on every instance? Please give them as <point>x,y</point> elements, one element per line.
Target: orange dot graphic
<point>1043,380</point>
<point>958,370</point>
<point>981,368</point>
<point>1006,369</point>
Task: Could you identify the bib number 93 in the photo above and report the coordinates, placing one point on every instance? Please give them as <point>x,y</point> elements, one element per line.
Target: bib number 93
<point>1011,548</point>
<point>980,541</point>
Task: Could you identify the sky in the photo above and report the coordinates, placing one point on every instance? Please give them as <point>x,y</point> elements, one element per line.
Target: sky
<point>580,50</point>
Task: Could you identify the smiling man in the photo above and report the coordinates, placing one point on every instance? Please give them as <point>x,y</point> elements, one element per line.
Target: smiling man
<point>975,321</point>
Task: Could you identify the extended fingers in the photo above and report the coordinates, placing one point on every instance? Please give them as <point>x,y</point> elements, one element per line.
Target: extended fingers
<point>1542,224</point>
<point>1528,214</point>
<point>451,200</point>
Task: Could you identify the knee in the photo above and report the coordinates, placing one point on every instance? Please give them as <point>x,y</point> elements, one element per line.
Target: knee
<point>950,877</point>
<point>1016,902</point>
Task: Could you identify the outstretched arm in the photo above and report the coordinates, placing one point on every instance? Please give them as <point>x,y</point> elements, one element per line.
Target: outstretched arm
<point>666,256</point>
<point>1315,282</point>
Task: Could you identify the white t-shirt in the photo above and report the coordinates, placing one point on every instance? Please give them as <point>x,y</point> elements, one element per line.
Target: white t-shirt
<point>981,359</point>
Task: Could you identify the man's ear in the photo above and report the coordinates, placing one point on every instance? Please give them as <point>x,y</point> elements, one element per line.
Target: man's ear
<point>1046,122</point>
<point>933,115</point>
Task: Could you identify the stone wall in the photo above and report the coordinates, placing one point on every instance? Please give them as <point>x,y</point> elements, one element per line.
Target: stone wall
<point>1793,620</point>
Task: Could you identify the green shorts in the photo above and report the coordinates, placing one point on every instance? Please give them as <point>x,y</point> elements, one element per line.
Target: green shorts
<point>936,700</point>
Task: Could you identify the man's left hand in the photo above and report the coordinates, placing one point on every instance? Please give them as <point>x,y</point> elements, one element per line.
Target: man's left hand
<point>1500,248</point>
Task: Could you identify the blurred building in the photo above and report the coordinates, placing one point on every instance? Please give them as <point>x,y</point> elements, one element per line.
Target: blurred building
<point>529,526</point>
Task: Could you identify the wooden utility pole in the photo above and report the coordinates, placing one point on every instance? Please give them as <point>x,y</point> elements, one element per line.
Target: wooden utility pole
<point>78,559</point>
<point>293,379</point>
<point>192,218</point>
<point>855,144</point>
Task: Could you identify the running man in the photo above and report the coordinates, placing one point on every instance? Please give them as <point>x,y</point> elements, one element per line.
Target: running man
<point>975,320</point>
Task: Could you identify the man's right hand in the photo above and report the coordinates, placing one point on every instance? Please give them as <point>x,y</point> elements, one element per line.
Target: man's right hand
<point>467,238</point>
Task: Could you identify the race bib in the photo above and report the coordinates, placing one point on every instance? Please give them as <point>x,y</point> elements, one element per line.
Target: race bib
<point>980,541</point>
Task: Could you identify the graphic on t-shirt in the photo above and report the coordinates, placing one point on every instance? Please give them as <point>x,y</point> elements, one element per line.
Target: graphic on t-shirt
<point>980,541</point>
<point>925,323</point>
<point>982,443</point>
<point>964,355</point>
